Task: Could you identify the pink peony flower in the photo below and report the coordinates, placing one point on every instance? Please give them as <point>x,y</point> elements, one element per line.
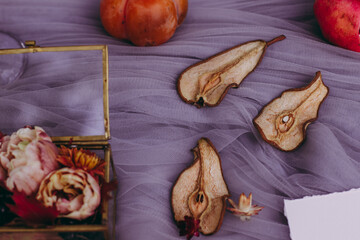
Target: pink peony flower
<point>74,192</point>
<point>26,157</point>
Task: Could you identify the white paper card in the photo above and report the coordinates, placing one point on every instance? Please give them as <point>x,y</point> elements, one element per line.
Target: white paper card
<point>334,216</point>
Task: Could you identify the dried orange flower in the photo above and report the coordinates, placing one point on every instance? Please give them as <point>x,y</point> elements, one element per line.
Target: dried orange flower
<point>81,159</point>
<point>245,210</point>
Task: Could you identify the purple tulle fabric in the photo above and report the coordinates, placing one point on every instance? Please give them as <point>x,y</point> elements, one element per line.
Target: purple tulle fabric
<point>153,130</point>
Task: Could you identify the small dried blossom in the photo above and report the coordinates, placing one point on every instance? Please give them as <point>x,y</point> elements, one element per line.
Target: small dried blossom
<point>189,227</point>
<point>244,209</point>
<point>81,159</point>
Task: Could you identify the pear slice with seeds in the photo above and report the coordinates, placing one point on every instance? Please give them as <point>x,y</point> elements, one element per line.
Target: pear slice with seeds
<point>207,82</point>
<point>284,120</point>
<point>200,191</point>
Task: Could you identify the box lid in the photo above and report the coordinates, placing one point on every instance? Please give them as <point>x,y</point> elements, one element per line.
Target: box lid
<point>62,89</point>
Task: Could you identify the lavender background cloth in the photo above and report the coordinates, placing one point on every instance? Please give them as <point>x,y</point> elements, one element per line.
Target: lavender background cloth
<point>153,130</point>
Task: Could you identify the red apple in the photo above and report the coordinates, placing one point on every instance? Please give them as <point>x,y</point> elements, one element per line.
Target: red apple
<point>143,22</point>
<point>339,21</point>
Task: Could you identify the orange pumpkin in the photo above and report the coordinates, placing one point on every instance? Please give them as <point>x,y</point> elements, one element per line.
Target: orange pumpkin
<point>143,22</point>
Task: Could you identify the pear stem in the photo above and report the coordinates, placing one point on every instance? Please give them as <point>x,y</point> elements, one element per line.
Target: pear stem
<point>279,38</point>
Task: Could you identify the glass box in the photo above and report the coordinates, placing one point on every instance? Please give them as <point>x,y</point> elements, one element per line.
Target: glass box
<point>47,94</point>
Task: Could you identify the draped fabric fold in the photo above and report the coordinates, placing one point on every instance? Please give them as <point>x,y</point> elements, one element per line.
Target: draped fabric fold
<point>153,131</point>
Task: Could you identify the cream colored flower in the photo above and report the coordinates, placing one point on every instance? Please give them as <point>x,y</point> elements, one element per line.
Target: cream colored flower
<point>244,209</point>
<point>74,192</point>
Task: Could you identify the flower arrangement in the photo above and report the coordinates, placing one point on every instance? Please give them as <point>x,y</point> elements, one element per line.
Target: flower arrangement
<point>43,184</point>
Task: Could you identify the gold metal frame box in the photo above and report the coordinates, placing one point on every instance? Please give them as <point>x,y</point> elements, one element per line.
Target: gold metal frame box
<point>106,226</point>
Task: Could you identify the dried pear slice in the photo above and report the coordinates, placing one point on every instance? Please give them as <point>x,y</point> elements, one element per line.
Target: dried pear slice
<point>200,191</point>
<point>207,82</point>
<point>284,120</point>
<point>185,185</point>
